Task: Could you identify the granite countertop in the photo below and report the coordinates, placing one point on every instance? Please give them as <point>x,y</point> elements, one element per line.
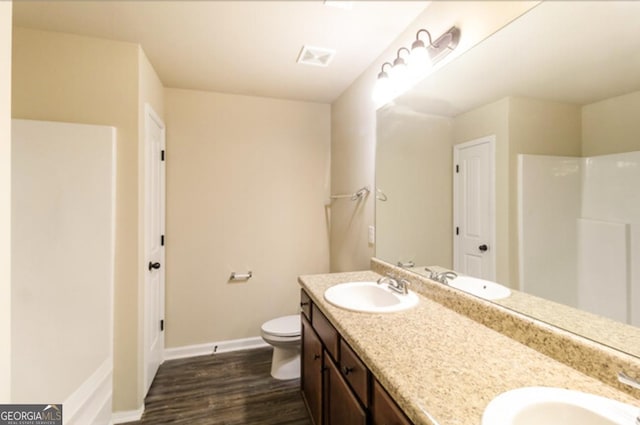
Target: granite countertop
<point>441,367</point>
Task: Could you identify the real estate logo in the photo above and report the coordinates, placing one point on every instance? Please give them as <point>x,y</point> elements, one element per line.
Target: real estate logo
<point>30,414</point>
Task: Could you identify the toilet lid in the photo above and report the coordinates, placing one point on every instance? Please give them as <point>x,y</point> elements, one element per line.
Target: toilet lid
<point>283,326</point>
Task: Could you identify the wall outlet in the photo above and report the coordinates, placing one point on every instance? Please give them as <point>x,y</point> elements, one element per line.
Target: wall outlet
<point>372,235</point>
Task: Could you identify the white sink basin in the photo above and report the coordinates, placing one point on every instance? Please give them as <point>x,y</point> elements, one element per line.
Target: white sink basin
<point>480,287</point>
<point>556,406</point>
<point>369,297</point>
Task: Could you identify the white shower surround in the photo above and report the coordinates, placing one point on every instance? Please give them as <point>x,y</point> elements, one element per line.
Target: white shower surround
<point>563,202</point>
<point>63,207</point>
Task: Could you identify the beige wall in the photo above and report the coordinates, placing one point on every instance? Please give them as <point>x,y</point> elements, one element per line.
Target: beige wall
<point>247,181</point>
<point>611,126</point>
<point>413,154</point>
<point>353,120</point>
<point>353,135</point>
<point>63,77</point>
<point>492,119</point>
<point>5,200</point>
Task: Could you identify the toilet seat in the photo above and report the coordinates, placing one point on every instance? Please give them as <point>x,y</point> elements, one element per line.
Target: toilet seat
<point>286,326</point>
<point>284,334</point>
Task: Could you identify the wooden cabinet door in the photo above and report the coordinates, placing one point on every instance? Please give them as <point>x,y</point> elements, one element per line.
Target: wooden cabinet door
<point>311,375</point>
<point>384,411</point>
<point>341,405</point>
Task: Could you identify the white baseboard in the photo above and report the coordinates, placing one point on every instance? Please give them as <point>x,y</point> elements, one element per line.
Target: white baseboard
<point>213,347</point>
<point>91,402</point>
<point>127,415</point>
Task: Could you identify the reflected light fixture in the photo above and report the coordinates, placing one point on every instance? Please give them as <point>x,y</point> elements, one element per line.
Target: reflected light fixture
<point>383,89</point>
<point>399,69</point>
<point>419,59</point>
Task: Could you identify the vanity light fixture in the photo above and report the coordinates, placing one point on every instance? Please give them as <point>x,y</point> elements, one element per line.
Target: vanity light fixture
<point>420,57</point>
<point>399,69</point>
<point>384,88</point>
<point>403,73</point>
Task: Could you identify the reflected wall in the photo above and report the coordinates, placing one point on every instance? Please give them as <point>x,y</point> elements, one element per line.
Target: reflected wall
<point>413,161</point>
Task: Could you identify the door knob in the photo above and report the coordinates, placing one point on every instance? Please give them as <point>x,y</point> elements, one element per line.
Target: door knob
<point>153,266</point>
<point>483,247</point>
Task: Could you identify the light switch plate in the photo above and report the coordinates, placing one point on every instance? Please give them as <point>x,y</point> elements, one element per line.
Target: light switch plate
<point>372,235</point>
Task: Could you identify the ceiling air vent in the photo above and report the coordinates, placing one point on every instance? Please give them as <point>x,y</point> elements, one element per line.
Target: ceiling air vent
<point>340,4</point>
<point>316,56</point>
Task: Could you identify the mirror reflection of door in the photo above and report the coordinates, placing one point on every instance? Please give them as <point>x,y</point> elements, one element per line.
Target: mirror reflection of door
<point>474,208</point>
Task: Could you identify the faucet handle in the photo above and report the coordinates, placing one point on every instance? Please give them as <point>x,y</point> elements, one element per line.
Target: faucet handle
<point>623,378</point>
<point>403,285</point>
<point>432,274</point>
<point>389,278</point>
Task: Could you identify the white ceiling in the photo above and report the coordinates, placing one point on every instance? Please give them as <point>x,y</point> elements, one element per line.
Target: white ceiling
<point>243,47</point>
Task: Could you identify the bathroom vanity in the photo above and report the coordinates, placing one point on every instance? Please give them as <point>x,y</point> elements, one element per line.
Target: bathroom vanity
<point>337,386</point>
<point>427,365</point>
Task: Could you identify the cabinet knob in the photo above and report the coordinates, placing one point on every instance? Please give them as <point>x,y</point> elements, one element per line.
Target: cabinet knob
<point>347,370</point>
<point>302,304</point>
<point>316,356</point>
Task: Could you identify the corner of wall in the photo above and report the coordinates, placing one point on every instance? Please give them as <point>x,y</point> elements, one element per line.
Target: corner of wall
<point>353,144</point>
<point>5,200</point>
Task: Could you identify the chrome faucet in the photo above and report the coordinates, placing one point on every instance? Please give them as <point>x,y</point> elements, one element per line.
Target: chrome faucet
<point>623,378</point>
<point>442,277</point>
<point>401,286</point>
<point>406,265</point>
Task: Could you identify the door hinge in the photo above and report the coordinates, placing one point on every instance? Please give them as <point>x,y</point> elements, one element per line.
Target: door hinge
<point>161,240</point>
<point>162,325</point>
<point>457,230</point>
<point>457,168</point>
<point>162,155</point>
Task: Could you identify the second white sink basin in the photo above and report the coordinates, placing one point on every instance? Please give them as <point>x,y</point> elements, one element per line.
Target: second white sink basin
<point>481,288</point>
<point>556,406</point>
<point>369,297</point>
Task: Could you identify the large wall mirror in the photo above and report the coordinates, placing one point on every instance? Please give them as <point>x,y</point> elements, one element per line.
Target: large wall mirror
<point>557,94</point>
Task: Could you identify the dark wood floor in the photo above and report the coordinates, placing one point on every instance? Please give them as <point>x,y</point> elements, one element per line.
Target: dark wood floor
<point>228,388</point>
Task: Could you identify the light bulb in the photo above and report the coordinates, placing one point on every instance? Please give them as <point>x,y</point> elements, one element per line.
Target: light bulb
<point>383,90</point>
<point>399,70</point>
<point>419,60</point>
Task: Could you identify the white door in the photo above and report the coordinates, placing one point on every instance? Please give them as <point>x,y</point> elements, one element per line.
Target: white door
<point>474,208</point>
<point>154,244</point>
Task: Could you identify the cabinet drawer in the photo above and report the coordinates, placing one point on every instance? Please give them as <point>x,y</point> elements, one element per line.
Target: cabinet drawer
<point>384,411</point>
<point>354,372</point>
<point>325,331</point>
<point>305,304</point>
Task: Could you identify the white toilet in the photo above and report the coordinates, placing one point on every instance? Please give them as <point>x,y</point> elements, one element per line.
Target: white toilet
<point>283,333</point>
